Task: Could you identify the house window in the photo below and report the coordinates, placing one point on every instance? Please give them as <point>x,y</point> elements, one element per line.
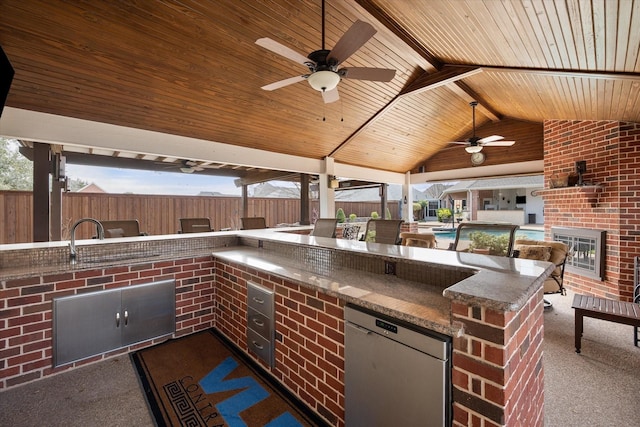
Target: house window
<point>432,208</point>
<point>588,250</point>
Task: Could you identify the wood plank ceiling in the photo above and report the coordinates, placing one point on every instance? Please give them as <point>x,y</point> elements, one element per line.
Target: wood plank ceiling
<point>192,68</point>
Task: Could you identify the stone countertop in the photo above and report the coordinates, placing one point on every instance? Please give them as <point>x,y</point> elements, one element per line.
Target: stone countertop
<point>498,283</point>
<point>414,302</point>
<point>43,258</point>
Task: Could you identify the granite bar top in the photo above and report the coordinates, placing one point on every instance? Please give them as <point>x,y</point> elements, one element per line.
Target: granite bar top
<point>499,283</point>
<point>414,302</point>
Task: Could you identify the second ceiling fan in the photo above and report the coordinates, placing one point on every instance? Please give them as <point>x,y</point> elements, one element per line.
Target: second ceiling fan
<point>475,143</point>
<point>324,74</point>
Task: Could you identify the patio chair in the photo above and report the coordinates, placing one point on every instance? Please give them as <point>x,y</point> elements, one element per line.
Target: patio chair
<point>383,231</point>
<point>195,225</point>
<point>324,227</point>
<point>484,238</point>
<point>552,251</point>
<point>121,228</point>
<point>422,240</point>
<point>253,223</point>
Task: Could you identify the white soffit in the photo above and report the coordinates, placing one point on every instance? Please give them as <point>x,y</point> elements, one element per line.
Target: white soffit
<point>67,131</point>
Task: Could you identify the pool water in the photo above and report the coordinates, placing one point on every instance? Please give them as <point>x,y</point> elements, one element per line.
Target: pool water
<point>528,234</point>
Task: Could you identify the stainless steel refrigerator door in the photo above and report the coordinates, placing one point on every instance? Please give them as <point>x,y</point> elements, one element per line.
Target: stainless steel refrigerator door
<point>390,384</point>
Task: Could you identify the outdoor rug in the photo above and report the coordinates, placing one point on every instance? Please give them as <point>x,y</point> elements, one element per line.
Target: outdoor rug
<point>202,380</point>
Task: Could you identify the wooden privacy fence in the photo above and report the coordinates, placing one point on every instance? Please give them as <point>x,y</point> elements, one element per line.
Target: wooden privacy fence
<point>158,214</point>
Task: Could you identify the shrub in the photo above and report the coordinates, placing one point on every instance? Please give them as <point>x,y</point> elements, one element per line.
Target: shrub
<point>443,214</point>
<point>497,244</point>
<point>375,215</point>
<point>340,215</point>
<point>352,217</point>
<point>387,213</point>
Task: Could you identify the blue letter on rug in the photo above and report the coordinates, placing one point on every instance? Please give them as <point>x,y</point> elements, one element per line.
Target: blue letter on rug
<point>253,393</point>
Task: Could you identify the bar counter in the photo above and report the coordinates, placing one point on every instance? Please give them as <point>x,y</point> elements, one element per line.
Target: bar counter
<point>490,306</point>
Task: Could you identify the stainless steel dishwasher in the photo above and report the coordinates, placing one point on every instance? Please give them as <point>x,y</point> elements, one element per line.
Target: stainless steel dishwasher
<point>396,374</point>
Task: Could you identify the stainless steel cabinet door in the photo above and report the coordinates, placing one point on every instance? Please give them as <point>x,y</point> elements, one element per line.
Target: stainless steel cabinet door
<point>85,325</point>
<point>148,311</point>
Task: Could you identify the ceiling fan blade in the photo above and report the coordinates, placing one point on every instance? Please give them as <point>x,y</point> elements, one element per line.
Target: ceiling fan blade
<point>356,36</point>
<point>460,142</point>
<point>282,50</point>
<point>498,143</point>
<point>367,73</point>
<point>491,138</point>
<point>285,82</point>
<point>330,96</point>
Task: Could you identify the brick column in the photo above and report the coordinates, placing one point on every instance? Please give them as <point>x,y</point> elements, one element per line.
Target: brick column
<point>497,366</point>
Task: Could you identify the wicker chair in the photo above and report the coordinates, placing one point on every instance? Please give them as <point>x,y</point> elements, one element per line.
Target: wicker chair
<point>552,251</point>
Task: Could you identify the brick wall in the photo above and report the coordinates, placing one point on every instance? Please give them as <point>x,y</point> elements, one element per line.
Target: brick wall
<point>612,152</point>
<point>497,366</point>
<point>26,310</point>
<point>309,335</point>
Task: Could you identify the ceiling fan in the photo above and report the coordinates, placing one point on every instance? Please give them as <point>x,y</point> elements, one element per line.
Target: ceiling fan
<point>475,143</point>
<point>324,74</point>
<point>187,166</point>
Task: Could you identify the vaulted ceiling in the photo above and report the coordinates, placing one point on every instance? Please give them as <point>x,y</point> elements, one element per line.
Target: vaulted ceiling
<point>192,68</point>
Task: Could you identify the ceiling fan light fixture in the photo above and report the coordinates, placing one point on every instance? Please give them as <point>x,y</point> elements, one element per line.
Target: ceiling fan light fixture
<point>323,80</point>
<point>186,170</point>
<point>473,149</point>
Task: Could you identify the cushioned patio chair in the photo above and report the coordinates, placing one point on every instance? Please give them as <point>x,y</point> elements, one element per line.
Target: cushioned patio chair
<point>383,231</point>
<point>552,251</point>
<point>324,227</point>
<point>121,228</point>
<point>422,240</point>
<point>195,225</point>
<point>253,223</point>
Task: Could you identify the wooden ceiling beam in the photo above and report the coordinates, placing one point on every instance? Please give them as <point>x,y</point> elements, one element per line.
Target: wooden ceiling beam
<point>447,75</point>
<point>461,89</point>
<point>257,177</point>
<point>382,17</point>
<point>555,72</point>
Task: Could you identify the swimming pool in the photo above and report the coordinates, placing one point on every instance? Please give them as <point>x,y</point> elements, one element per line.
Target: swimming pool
<point>528,234</point>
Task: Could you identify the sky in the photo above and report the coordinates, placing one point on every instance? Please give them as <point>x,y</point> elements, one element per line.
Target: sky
<point>115,180</point>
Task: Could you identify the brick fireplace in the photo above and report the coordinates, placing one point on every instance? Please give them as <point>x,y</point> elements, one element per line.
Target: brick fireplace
<point>609,200</point>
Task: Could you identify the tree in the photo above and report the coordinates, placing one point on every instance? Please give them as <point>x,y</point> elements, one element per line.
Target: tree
<point>16,172</point>
<point>76,184</point>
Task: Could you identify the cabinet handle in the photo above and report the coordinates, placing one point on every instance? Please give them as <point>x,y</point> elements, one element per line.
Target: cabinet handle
<point>126,318</point>
<point>257,345</point>
<point>258,322</point>
<point>117,319</point>
<point>258,300</point>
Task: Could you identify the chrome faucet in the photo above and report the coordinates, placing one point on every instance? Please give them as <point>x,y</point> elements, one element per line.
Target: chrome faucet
<point>72,244</point>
